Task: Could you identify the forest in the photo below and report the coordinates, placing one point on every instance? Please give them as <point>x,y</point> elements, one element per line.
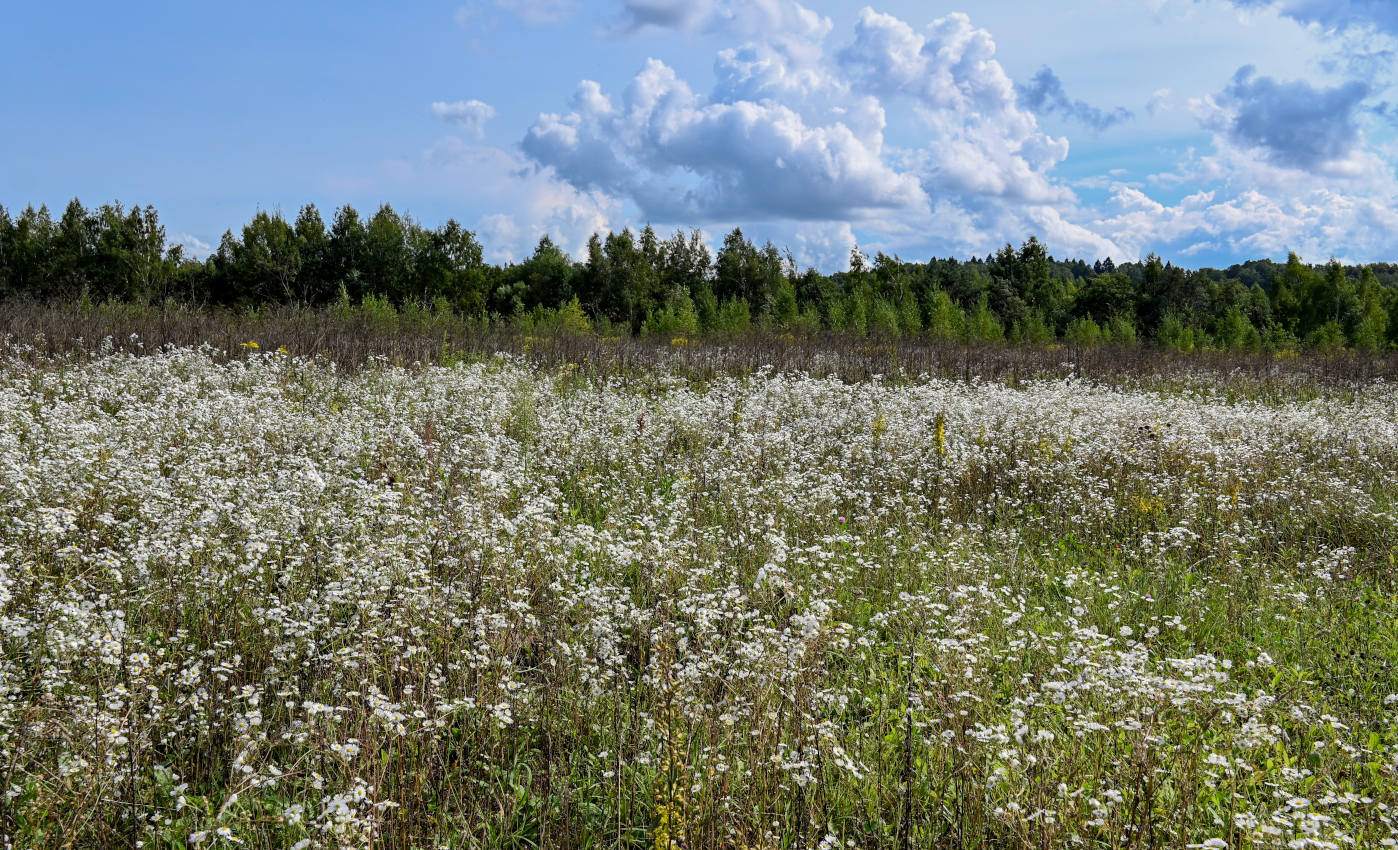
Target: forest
<point>675,286</point>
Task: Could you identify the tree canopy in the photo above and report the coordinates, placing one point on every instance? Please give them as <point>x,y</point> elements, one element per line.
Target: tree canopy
<point>641,282</point>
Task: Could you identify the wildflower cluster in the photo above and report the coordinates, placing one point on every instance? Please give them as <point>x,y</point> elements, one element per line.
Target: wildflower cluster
<point>268,601</point>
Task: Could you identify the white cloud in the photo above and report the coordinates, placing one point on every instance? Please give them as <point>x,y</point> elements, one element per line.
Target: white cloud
<point>784,24</point>
<point>194,247</point>
<point>791,140</point>
<point>522,201</point>
<point>1292,124</point>
<point>952,67</point>
<point>983,145</point>
<point>825,245</point>
<point>682,158</point>
<point>758,71</point>
<point>789,134</point>
<point>471,115</point>
<point>501,237</point>
<point>1242,218</point>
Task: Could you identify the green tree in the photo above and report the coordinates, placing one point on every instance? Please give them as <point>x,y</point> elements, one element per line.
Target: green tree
<point>466,283</point>
<point>1370,332</point>
<point>676,319</point>
<point>267,259</point>
<point>685,264</point>
<point>883,318</point>
<point>945,321</point>
<point>6,238</point>
<point>347,250</point>
<point>1105,296</point>
<point>1288,289</point>
<point>1327,337</point>
<point>706,307</point>
<point>27,255</point>
<point>594,280</point>
<point>909,315</point>
<point>385,260</point>
<point>766,277</point>
<point>982,325</point>
<point>1083,332</point>
<point>73,254</point>
<point>1036,331</point>
<point>1121,330</point>
<point>734,317</point>
<point>315,282</point>
<point>785,308</point>
<point>628,293</point>
<point>547,275</point>
<point>1038,288</point>
<point>1175,334</point>
<point>735,264</point>
<point>1234,330</point>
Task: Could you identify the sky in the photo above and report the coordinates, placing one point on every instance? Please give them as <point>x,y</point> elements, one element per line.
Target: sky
<point>1205,131</point>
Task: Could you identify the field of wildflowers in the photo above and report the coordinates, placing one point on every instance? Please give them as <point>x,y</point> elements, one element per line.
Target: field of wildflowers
<point>264,602</point>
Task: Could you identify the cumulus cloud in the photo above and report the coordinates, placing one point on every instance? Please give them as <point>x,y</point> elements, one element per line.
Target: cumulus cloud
<point>520,202</point>
<point>760,72</point>
<point>1044,94</point>
<point>1294,124</point>
<point>1315,222</point>
<point>984,147</point>
<point>790,141</point>
<point>1288,171</point>
<point>824,245</point>
<point>682,158</point>
<point>788,135</point>
<point>471,115</point>
<point>782,26</point>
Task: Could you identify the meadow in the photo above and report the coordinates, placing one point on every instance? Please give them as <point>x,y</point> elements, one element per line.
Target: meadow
<point>254,599</point>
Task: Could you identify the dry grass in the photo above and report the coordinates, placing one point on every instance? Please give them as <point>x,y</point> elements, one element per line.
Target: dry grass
<point>351,336</point>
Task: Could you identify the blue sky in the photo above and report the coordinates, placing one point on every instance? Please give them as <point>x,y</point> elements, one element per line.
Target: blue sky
<point>1207,131</point>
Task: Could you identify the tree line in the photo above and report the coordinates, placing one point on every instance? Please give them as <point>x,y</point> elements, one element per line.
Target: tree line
<point>641,283</point>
